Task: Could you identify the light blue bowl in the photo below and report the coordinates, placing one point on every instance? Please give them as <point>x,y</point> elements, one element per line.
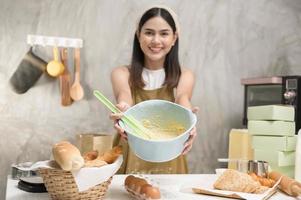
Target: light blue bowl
<point>159,150</point>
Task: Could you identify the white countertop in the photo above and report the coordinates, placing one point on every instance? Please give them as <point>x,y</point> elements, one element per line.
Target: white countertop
<point>171,187</point>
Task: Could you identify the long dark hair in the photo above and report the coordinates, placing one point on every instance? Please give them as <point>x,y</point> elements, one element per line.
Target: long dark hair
<point>171,64</point>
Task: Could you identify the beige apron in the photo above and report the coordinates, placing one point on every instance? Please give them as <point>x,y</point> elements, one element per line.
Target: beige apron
<point>132,164</point>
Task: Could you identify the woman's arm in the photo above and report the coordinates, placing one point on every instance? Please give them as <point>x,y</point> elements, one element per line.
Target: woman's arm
<point>185,88</point>
<point>183,97</point>
<point>123,96</point>
<point>120,84</point>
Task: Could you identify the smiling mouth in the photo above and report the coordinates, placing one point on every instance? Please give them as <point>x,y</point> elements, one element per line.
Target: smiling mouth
<point>155,49</point>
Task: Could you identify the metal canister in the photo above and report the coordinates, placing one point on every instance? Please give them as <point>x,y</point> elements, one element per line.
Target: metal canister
<point>258,167</point>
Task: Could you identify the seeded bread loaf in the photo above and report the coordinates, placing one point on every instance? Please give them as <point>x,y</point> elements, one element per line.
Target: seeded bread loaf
<point>233,180</point>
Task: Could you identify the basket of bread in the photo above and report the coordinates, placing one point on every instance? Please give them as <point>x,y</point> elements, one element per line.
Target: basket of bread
<point>80,177</point>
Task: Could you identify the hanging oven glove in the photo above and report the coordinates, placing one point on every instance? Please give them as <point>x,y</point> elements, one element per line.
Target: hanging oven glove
<point>27,73</point>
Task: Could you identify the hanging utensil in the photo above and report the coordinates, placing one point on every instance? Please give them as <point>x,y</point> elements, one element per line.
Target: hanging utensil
<point>76,91</point>
<point>65,80</point>
<point>27,73</point>
<point>55,67</point>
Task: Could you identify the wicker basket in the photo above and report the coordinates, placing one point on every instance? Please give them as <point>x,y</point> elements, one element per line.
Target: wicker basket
<point>60,185</point>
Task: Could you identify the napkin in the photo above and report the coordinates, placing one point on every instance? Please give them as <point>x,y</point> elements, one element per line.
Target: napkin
<point>90,176</point>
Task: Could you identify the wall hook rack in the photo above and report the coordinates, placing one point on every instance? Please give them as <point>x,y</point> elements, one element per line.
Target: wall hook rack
<point>54,41</point>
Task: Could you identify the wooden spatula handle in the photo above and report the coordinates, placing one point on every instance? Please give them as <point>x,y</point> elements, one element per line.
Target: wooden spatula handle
<point>77,64</point>
<point>64,56</point>
<point>65,80</point>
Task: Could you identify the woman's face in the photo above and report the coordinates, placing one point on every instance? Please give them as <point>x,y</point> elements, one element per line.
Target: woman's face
<point>156,39</point>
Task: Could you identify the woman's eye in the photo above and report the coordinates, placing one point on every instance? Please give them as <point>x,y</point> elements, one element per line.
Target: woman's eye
<point>148,33</point>
<point>165,34</point>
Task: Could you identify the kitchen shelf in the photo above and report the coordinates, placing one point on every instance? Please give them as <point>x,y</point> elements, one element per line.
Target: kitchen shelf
<point>54,41</point>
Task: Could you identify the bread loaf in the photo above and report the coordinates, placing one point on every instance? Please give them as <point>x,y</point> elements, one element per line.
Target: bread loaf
<point>233,180</point>
<point>67,156</point>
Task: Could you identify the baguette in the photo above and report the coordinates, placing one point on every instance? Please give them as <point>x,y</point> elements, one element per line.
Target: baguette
<point>67,156</point>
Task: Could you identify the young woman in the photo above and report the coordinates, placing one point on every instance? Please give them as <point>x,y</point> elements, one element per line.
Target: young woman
<point>154,73</point>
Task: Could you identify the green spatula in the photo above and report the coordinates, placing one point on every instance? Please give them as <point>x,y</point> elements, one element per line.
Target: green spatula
<point>134,124</point>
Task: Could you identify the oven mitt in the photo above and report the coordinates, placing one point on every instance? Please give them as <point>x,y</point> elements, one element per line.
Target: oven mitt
<point>27,73</point>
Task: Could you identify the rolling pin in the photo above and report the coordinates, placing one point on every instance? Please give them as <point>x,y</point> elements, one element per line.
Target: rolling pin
<point>287,184</point>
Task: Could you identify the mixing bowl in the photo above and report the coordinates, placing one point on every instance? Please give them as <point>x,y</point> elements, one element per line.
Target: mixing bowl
<point>165,112</point>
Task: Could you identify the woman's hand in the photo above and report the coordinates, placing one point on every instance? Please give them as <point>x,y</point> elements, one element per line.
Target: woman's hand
<point>192,136</point>
<point>122,106</point>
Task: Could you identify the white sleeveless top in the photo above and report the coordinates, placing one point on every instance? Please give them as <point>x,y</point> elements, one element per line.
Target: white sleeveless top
<point>153,79</point>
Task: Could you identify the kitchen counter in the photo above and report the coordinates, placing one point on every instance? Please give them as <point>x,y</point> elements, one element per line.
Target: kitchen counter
<point>171,186</point>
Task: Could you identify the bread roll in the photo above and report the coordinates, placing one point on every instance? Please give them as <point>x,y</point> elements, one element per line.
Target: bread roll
<point>111,155</point>
<point>263,181</point>
<point>90,155</point>
<point>67,156</point>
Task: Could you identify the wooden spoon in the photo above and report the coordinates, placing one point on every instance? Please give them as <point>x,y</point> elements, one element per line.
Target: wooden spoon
<point>65,80</point>
<point>76,91</point>
<point>55,67</point>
